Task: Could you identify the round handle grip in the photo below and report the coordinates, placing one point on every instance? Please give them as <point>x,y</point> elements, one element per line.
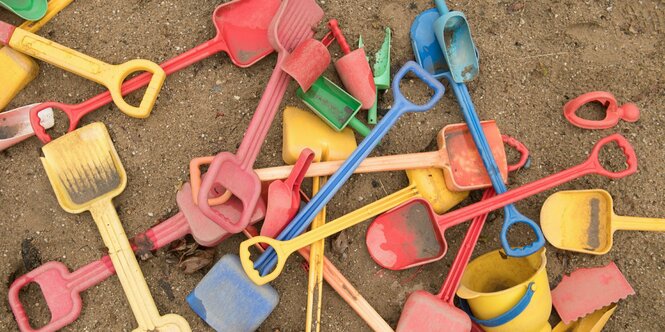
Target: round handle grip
<point>151,93</point>
<point>628,152</point>
<point>249,266</point>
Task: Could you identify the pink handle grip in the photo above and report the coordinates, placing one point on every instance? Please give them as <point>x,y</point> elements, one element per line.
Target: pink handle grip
<point>337,33</point>
<point>591,165</point>
<point>627,112</point>
<point>76,112</point>
<point>300,169</point>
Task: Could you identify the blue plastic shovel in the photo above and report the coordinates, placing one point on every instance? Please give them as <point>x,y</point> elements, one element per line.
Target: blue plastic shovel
<point>431,59</point>
<point>268,260</point>
<point>454,36</point>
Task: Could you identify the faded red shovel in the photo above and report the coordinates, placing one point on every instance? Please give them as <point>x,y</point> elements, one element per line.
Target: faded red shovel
<point>284,197</point>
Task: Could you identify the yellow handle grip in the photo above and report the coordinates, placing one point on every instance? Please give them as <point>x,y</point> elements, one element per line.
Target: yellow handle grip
<point>638,224</point>
<point>130,275</point>
<point>110,76</point>
<point>285,248</point>
<point>53,8</point>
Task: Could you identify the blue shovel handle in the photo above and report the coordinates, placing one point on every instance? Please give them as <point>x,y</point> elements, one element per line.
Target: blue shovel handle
<point>267,261</point>
<point>441,7</point>
<point>507,316</point>
<point>511,215</point>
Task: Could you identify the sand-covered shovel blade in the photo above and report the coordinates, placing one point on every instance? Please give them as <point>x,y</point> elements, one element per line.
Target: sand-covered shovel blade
<point>454,36</point>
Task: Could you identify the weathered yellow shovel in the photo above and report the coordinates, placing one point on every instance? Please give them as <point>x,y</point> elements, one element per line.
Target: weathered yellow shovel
<point>86,173</point>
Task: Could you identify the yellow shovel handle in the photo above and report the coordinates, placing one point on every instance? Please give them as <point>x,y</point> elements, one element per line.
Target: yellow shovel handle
<point>315,281</point>
<point>130,275</point>
<point>285,248</point>
<point>110,76</point>
<point>638,224</point>
<point>53,8</point>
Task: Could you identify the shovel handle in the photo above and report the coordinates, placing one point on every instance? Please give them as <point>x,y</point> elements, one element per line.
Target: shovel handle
<point>613,112</point>
<point>300,169</point>
<point>337,33</point>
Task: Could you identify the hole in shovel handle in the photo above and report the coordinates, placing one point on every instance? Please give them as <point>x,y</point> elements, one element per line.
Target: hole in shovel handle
<point>528,249</point>
<point>35,122</point>
<point>151,93</point>
<point>628,152</point>
<point>249,266</point>
<point>433,83</point>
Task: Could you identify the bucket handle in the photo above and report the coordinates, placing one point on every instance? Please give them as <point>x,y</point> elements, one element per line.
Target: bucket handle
<point>507,316</point>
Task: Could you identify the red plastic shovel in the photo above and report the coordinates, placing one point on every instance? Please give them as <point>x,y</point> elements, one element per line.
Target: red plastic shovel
<point>242,28</point>
<point>413,234</point>
<point>292,25</point>
<point>284,197</point>
<point>426,312</point>
<point>354,70</point>
<point>61,289</point>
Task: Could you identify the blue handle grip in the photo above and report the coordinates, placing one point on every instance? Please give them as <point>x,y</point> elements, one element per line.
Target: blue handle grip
<point>507,316</point>
<point>267,261</point>
<point>511,215</point>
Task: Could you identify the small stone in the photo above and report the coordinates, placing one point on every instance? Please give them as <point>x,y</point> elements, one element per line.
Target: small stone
<point>236,97</point>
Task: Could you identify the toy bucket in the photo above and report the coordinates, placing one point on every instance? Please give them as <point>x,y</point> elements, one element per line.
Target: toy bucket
<point>508,293</point>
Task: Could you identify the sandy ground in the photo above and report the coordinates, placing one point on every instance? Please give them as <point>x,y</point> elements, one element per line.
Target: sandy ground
<point>535,55</point>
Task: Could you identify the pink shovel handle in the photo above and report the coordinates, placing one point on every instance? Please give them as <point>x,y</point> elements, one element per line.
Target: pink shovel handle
<point>613,112</point>
<point>337,33</point>
<point>590,166</point>
<point>300,169</point>
<point>61,289</point>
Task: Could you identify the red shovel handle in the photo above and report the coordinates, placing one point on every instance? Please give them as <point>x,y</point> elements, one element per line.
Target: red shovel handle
<point>300,169</point>
<point>337,33</point>
<point>73,115</point>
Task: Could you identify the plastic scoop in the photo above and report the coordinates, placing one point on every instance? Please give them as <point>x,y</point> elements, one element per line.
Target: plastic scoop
<point>401,105</point>
<point>415,225</point>
<point>426,312</point>
<point>292,24</point>
<point>284,197</point>
<point>110,76</point>
<point>381,72</point>
<point>593,322</point>
<point>31,10</point>
<point>584,221</point>
<point>613,112</point>
<point>308,61</point>
<point>62,289</point>
<point>353,69</point>
<point>17,69</point>
<point>244,41</point>
<point>86,173</point>
<point>15,125</point>
<point>333,105</point>
<point>589,289</point>
<point>454,36</point>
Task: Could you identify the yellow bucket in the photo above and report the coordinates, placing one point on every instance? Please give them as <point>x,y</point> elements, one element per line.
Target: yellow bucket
<point>508,293</point>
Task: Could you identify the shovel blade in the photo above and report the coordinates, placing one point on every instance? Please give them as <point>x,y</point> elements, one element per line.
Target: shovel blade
<point>229,301</point>
<point>330,102</point>
<point>454,36</point>
<point>424,312</point>
<point>355,73</point>
<point>307,62</point>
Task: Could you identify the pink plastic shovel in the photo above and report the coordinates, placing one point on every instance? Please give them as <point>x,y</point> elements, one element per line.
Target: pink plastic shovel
<point>292,24</point>
<point>284,197</point>
<point>61,289</point>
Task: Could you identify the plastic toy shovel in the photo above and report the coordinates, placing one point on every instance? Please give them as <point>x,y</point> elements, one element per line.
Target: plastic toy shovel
<point>15,125</point>
<point>354,70</point>
<point>30,10</point>
<point>407,226</point>
<point>584,221</point>
<point>110,76</point>
<point>284,197</point>
<point>291,25</point>
<point>454,36</point>
<point>244,41</point>
<point>426,312</point>
<point>85,172</point>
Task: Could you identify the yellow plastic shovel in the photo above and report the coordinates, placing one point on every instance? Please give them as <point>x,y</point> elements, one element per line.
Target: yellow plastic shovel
<point>584,221</point>
<point>86,173</point>
<point>593,322</point>
<point>424,183</point>
<point>17,69</point>
<point>110,76</point>
<point>327,144</point>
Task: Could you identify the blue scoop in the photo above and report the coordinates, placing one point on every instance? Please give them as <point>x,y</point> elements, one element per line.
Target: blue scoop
<point>430,57</point>
<point>454,36</point>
